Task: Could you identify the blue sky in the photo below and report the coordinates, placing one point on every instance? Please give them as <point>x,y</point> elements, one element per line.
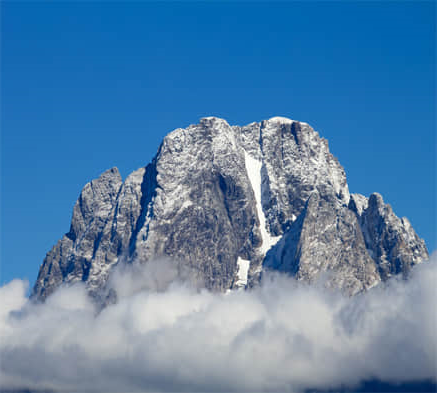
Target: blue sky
<point>88,86</point>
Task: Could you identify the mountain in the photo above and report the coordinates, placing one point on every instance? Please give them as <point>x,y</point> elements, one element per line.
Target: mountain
<point>230,202</point>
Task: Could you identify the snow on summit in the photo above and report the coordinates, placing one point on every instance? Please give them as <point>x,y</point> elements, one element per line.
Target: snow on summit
<point>280,119</point>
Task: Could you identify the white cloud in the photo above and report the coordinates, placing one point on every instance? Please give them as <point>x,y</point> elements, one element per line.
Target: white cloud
<point>164,334</point>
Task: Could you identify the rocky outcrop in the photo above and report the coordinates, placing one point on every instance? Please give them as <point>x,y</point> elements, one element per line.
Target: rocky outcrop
<point>230,202</point>
<point>326,238</point>
<point>73,257</point>
<point>390,241</point>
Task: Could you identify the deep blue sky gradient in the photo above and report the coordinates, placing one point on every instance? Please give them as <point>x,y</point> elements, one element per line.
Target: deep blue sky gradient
<point>88,86</point>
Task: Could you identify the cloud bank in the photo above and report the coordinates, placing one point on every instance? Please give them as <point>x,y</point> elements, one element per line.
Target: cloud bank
<point>166,335</point>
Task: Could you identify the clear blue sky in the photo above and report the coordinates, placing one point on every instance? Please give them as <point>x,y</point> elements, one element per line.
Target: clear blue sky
<point>88,86</point>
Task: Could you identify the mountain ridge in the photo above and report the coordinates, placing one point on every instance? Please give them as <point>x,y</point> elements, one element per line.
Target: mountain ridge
<point>231,202</point>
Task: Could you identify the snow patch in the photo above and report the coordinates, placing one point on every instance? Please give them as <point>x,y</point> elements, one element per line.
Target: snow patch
<point>253,168</point>
<point>187,203</point>
<point>243,269</point>
<point>280,119</point>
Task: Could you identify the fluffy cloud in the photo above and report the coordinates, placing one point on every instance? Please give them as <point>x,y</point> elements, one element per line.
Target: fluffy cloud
<point>165,334</point>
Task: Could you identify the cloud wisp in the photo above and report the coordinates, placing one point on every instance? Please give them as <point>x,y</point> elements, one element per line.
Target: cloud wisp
<point>164,334</point>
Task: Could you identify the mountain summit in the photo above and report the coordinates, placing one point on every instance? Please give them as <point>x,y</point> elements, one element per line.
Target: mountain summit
<point>230,202</point>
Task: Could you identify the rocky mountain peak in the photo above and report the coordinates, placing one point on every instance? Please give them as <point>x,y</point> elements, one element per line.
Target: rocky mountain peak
<point>213,122</point>
<point>230,202</point>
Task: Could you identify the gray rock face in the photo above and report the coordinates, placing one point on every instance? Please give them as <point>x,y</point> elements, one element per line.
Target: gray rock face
<point>327,238</point>
<point>229,202</point>
<point>391,241</point>
<point>72,258</point>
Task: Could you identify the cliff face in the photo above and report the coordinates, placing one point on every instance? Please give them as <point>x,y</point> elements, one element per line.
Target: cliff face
<point>391,241</point>
<point>230,202</point>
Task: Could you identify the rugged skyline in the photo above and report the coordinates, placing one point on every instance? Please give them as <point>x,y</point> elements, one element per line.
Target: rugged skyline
<point>230,202</point>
